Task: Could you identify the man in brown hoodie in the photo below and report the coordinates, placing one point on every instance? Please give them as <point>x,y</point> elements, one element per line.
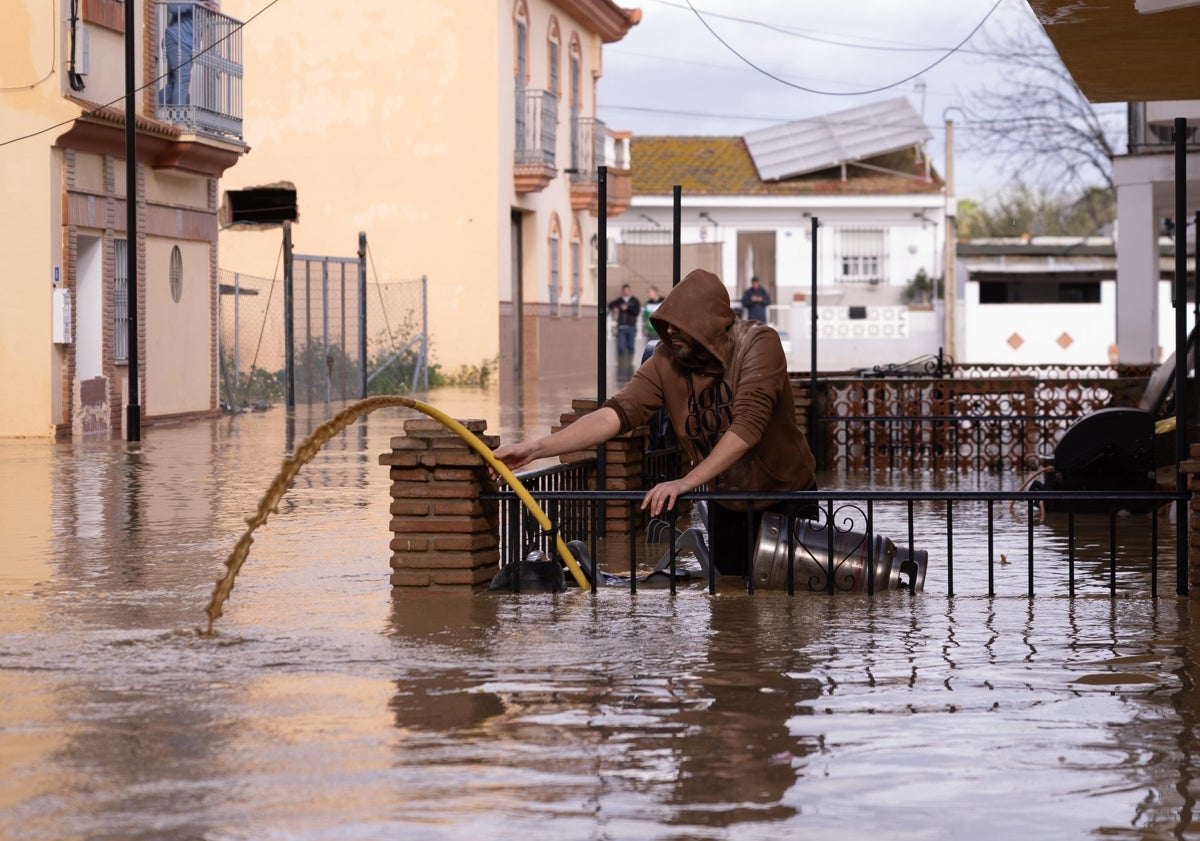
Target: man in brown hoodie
<point>724,384</point>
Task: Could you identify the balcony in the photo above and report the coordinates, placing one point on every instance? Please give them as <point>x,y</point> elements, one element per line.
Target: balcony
<point>592,145</point>
<point>1152,126</point>
<point>199,69</point>
<point>537,132</point>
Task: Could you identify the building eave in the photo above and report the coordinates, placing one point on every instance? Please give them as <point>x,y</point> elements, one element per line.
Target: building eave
<point>1117,54</point>
<point>605,18</point>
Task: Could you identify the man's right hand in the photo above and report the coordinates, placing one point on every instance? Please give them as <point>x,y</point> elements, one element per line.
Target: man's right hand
<point>513,456</point>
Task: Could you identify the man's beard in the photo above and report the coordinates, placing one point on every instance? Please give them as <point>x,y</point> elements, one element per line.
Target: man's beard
<point>690,354</point>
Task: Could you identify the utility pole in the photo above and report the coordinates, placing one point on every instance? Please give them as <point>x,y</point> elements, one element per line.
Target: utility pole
<point>949,271</point>
<point>289,336</point>
<point>133,409</point>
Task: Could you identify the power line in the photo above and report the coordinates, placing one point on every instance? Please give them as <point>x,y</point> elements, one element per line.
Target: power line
<point>142,87</point>
<point>897,83</point>
<point>53,55</point>
<point>822,39</point>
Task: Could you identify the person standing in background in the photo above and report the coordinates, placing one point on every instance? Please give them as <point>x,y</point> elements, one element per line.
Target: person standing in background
<point>755,302</point>
<point>625,309</point>
<point>653,301</point>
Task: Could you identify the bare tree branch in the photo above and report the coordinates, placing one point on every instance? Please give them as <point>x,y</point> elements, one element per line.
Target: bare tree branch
<point>1036,121</point>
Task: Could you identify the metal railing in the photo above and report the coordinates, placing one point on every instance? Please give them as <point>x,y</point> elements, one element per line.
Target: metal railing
<point>975,544</point>
<point>935,419</point>
<point>587,148</point>
<point>199,57</point>
<point>537,127</point>
<point>520,532</point>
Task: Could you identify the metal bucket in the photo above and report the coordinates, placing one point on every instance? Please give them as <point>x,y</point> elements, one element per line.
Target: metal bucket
<point>854,559</point>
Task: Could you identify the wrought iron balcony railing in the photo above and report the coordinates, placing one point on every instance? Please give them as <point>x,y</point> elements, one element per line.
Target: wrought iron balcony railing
<point>537,127</point>
<point>199,72</point>
<point>587,148</point>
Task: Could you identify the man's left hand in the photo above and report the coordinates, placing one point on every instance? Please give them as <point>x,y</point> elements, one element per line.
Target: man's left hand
<point>662,497</point>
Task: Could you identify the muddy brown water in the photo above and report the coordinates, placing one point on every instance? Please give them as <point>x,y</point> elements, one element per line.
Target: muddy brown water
<point>327,706</point>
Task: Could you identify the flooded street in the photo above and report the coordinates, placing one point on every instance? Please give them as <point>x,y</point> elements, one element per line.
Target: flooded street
<point>328,706</point>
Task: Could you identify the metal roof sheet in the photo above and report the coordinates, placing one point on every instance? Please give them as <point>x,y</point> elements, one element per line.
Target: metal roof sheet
<point>817,143</point>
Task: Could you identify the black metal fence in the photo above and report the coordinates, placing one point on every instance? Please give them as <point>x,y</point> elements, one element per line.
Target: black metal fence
<point>984,542</point>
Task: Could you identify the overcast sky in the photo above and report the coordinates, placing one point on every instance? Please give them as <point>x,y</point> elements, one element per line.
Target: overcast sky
<point>673,75</point>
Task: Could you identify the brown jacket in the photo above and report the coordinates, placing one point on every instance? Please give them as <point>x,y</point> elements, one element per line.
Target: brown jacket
<point>742,386</point>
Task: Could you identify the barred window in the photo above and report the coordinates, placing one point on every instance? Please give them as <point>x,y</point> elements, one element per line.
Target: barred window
<point>120,300</point>
<point>576,274</point>
<point>861,255</point>
<point>555,260</point>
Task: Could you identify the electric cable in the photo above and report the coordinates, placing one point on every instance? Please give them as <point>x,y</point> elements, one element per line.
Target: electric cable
<point>797,33</point>
<point>889,86</point>
<point>266,309</point>
<point>141,87</point>
<point>53,56</point>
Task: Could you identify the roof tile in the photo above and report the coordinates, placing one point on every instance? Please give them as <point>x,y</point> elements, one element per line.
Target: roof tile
<point>722,166</point>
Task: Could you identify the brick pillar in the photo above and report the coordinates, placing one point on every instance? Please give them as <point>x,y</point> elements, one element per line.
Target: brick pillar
<point>1191,468</point>
<point>622,464</point>
<point>442,534</point>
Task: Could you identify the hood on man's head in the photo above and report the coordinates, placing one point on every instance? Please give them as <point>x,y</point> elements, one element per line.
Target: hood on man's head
<point>699,306</point>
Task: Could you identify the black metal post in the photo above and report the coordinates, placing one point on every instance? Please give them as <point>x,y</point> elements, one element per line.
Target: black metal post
<point>676,234</point>
<point>362,313</point>
<point>289,349</point>
<point>601,324</point>
<point>133,409</point>
<point>814,438</point>
<point>1181,365</point>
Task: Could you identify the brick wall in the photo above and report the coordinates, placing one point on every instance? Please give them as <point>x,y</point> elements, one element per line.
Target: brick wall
<point>442,534</point>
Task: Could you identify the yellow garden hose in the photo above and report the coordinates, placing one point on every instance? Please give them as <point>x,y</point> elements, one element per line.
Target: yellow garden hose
<point>312,445</point>
<point>506,474</point>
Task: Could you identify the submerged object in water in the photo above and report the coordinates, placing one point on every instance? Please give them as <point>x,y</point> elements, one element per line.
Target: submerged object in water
<point>858,565</point>
<point>536,573</point>
<point>1110,450</point>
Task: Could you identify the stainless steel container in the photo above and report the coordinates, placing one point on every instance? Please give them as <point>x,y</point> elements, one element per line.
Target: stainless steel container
<point>854,559</point>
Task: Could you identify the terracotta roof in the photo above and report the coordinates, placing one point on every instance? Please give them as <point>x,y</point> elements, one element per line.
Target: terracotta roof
<point>722,166</point>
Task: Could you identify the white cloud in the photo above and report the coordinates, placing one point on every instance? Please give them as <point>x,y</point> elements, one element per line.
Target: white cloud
<point>671,74</point>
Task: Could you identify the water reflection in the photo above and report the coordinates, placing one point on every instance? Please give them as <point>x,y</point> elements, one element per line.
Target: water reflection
<point>328,706</point>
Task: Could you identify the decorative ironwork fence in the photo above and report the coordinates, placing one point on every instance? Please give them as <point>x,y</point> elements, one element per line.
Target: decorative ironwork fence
<point>979,541</point>
<point>980,419</point>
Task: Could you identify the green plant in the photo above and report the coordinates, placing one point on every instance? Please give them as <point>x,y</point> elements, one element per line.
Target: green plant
<point>920,288</point>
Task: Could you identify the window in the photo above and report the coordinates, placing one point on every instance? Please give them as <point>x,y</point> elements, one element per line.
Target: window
<point>521,44</point>
<point>555,269</point>
<point>576,269</point>
<point>553,41</point>
<point>576,95</point>
<point>1079,293</point>
<point>176,274</point>
<point>861,255</point>
<point>120,300</point>
<point>993,292</point>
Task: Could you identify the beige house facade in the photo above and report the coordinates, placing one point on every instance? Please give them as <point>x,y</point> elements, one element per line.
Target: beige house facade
<point>461,138</point>
<point>64,349</point>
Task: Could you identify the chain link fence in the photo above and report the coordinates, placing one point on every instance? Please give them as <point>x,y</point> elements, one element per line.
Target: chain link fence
<point>327,329</point>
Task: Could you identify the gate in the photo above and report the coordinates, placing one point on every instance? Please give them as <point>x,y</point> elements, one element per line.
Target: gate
<point>329,334</point>
<point>329,328</point>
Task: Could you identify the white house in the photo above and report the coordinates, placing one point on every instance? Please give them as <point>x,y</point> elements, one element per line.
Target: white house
<point>1053,301</point>
<point>748,206</point>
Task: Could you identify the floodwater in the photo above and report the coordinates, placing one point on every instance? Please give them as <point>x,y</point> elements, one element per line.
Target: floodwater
<point>327,706</point>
